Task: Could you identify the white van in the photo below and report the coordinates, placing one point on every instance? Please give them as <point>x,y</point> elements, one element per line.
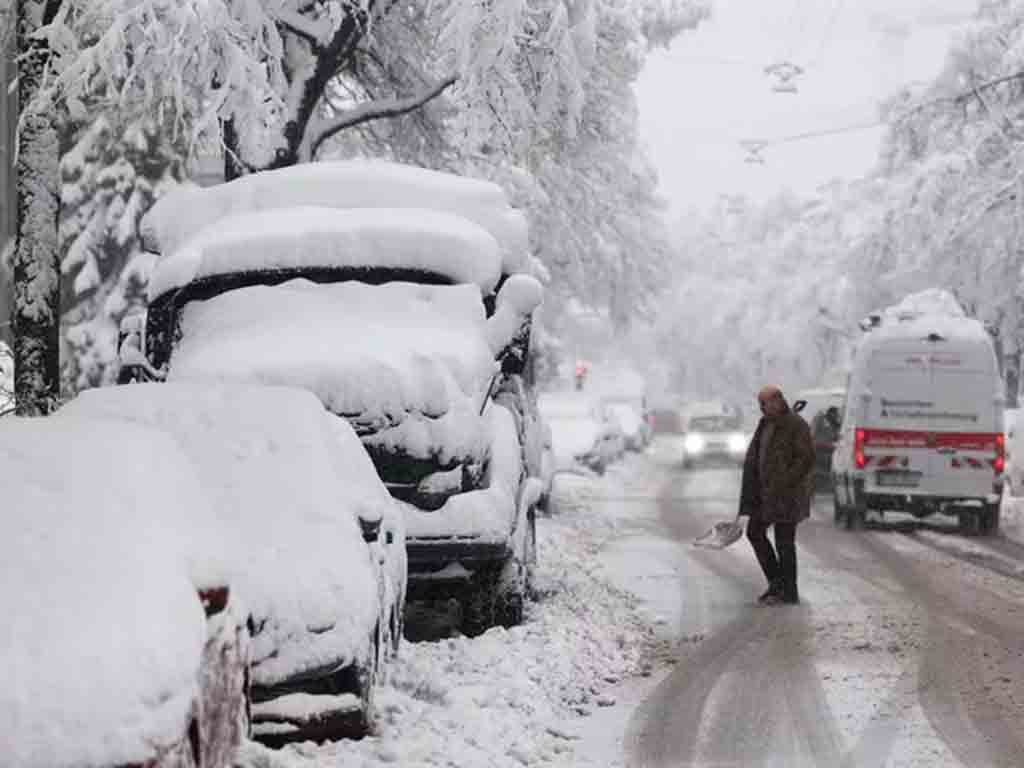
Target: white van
<point>922,430</point>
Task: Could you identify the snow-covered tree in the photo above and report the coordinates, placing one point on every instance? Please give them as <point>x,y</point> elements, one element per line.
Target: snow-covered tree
<point>110,177</point>
<point>513,88</point>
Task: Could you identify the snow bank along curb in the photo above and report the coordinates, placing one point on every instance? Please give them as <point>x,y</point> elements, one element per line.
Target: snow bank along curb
<point>509,697</point>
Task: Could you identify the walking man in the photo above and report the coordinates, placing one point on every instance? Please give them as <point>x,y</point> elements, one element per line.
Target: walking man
<point>778,482</point>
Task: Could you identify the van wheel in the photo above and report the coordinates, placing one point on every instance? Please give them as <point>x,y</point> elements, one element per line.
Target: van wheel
<point>855,517</point>
<point>989,519</point>
<point>970,522</point>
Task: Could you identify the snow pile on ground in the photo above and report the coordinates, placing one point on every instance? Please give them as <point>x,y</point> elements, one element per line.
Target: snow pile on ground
<point>515,697</point>
<point>287,484</point>
<point>343,184</point>
<point>427,353</point>
<point>102,630</point>
<point>1011,522</point>
<point>317,238</point>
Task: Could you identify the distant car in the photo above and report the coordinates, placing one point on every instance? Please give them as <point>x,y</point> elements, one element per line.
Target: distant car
<point>608,447</point>
<point>714,439</point>
<point>122,643</point>
<point>632,420</point>
<point>316,545</point>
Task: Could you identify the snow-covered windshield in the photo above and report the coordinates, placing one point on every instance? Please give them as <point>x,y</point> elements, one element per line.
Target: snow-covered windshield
<point>409,362</point>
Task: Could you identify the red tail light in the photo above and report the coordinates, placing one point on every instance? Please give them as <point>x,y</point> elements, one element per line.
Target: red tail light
<point>999,462</point>
<point>858,448</point>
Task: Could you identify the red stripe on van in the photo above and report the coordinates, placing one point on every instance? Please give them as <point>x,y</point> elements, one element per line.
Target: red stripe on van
<point>907,438</point>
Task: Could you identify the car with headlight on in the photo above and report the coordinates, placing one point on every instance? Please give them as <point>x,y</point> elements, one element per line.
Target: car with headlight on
<point>714,439</point>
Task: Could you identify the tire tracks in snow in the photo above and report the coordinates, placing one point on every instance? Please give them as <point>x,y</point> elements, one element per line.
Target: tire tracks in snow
<point>744,691</point>
<point>972,645</point>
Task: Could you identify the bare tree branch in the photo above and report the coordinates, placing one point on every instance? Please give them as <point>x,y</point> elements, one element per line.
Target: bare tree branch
<point>393,107</point>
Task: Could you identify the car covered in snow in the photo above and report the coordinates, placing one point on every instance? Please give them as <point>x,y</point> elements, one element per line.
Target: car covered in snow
<point>585,435</point>
<point>632,419</point>
<point>315,544</point>
<point>396,295</point>
<point>123,642</point>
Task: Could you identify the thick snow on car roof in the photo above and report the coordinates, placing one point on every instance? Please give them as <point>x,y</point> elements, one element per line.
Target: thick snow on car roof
<point>341,184</point>
<point>377,353</point>
<point>287,482</point>
<point>319,237</point>
<point>102,630</point>
<point>919,327</point>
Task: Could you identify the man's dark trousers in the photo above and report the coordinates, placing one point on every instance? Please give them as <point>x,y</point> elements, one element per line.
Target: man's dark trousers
<point>781,569</point>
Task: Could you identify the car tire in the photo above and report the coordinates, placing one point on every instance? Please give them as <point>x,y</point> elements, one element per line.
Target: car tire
<point>495,596</point>
<point>530,554</point>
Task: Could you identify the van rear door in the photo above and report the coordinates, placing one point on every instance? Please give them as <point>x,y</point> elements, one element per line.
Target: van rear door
<point>936,416</point>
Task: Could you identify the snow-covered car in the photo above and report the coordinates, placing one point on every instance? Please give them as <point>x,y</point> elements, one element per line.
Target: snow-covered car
<point>714,439</point>
<point>315,543</point>
<point>395,295</point>
<point>632,420</point>
<point>581,433</point>
<point>122,641</point>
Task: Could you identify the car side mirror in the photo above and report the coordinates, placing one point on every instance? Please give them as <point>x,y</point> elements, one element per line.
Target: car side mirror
<point>833,418</point>
<point>519,296</point>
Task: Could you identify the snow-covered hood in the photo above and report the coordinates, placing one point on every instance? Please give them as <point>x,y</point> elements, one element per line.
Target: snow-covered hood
<point>409,364</point>
<point>288,482</point>
<point>102,630</point>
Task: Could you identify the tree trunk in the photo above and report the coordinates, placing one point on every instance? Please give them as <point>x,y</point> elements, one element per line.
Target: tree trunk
<point>1012,378</point>
<point>37,257</point>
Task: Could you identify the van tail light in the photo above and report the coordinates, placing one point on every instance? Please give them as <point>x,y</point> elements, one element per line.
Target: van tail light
<point>859,460</point>
<point>999,462</point>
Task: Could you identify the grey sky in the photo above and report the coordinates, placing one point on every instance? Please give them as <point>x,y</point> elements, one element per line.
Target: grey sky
<point>709,91</point>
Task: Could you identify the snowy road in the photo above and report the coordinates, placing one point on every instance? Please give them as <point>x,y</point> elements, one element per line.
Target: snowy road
<point>908,649</point>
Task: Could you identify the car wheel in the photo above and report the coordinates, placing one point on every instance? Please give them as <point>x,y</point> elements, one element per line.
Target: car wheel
<point>495,596</point>
<point>367,682</point>
<point>530,553</point>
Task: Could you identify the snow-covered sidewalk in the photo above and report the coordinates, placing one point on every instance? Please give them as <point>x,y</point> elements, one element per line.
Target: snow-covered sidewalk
<point>555,691</point>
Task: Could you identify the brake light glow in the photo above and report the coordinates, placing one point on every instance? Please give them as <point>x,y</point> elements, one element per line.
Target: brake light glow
<point>999,462</point>
<point>859,436</point>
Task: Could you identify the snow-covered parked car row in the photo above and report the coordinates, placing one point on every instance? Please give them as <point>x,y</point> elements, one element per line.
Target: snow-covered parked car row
<point>387,307</point>
<point>333,380</point>
<point>398,296</point>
